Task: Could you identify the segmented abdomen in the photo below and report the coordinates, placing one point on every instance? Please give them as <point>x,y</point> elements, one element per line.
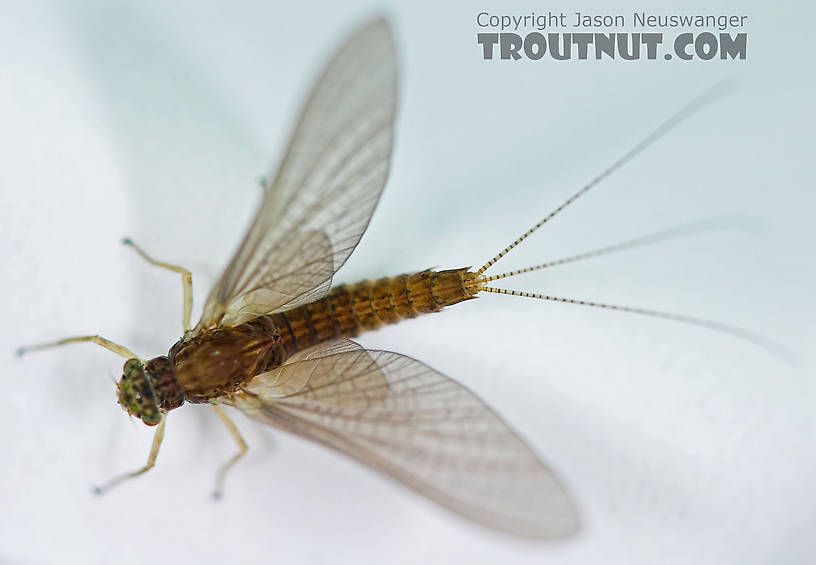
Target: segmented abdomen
<point>349,310</point>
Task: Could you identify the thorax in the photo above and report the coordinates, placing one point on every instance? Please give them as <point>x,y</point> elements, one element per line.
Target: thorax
<point>215,363</point>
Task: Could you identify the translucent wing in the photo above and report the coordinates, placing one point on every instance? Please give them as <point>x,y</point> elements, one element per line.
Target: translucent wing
<point>294,377</point>
<point>409,421</point>
<point>319,203</point>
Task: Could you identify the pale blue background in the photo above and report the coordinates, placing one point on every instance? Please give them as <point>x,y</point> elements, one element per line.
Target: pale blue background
<point>154,120</point>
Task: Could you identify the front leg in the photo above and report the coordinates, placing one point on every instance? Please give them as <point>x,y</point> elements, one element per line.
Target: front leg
<point>186,281</point>
<point>151,461</point>
<point>106,343</point>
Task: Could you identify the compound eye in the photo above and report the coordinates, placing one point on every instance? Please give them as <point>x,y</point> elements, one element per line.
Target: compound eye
<point>132,366</point>
<point>151,418</point>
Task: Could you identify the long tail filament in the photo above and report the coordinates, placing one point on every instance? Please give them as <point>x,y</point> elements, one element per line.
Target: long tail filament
<point>662,235</point>
<point>661,130</point>
<point>741,333</point>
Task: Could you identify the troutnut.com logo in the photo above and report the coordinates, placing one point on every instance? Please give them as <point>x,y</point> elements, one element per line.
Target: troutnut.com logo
<point>532,36</point>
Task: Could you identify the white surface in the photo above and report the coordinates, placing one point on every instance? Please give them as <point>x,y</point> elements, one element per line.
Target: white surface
<point>678,444</point>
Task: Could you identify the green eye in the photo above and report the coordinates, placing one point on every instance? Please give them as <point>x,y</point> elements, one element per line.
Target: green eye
<point>152,418</point>
<point>136,393</point>
<point>133,367</point>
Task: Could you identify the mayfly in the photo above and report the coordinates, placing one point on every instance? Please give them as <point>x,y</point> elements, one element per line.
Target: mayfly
<point>274,338</point>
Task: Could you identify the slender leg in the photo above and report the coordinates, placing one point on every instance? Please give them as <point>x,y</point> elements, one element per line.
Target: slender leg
<point>151,461</point>
<point>242,449</point>
<point>106,343</point>
<point>186,281</point>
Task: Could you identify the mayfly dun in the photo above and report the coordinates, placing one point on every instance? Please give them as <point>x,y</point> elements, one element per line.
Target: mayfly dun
<point>274,338</point>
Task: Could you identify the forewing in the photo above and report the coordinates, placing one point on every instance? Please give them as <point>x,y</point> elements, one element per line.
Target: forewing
<point>429,432</point>
<point>303,258</point>
<point>311,370</point>
<point>319,203</point>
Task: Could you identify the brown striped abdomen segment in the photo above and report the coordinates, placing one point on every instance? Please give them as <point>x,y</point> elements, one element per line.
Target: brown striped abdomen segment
<point>349,310</point>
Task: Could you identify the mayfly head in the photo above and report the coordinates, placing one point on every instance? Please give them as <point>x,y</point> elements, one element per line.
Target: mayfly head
<point>136,394</point>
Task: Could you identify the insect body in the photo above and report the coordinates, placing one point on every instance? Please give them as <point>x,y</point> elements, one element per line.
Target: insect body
<point>207,366</point>
<point>273,339</point>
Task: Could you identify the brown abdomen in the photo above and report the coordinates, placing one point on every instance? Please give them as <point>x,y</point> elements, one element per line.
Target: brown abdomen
<point>349,310</point>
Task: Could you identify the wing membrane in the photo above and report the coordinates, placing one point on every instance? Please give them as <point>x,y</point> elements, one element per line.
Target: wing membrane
<point>411,422</point>
<point>321,199</point>
<point>301,260</point>
<point>308,372</point>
